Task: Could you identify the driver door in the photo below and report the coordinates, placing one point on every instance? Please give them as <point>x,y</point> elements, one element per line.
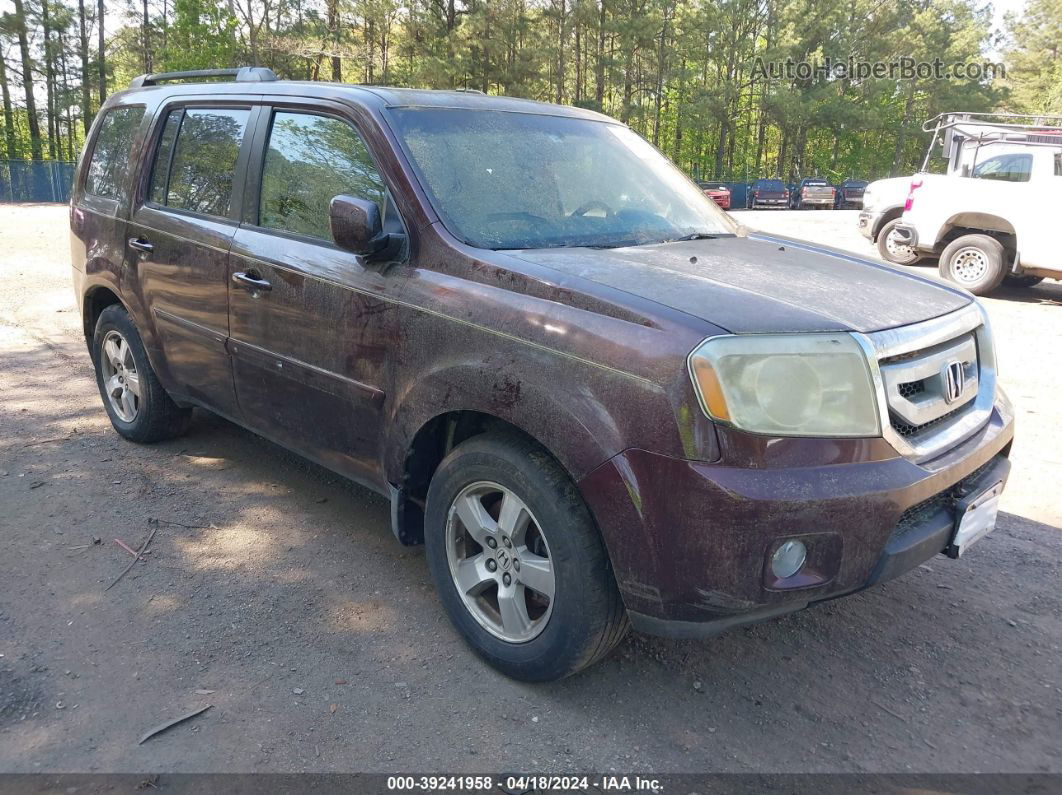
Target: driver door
<point>309,326</point>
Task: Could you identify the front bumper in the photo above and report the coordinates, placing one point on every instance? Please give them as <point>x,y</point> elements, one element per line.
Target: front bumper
<point>868,224</point>
<point>690,541</point>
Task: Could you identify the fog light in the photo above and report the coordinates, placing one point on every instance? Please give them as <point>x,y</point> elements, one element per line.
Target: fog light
<point>788,558</point>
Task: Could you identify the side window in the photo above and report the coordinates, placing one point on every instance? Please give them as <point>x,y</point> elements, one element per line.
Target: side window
<point>311,159</point>
<point>1005,168</point>
<point>1058,164</point>
<point>160,171</point>
<point>111,153</point>
<point>206,143</point>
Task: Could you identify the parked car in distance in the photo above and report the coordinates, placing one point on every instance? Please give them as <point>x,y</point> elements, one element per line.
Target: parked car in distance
<point>595,399</point>
<point>850,194</point>
<point>812,192</point>
<point>883,201</point>
<point>768,193</point>
<point>717,192</point>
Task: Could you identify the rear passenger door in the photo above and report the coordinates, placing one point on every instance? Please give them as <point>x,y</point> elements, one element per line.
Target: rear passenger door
<point>179,239</point>
<point>310,343</point>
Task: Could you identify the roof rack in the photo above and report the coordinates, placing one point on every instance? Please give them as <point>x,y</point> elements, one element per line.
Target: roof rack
<point>245,74</point>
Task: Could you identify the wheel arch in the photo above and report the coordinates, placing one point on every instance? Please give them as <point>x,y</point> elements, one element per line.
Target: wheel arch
<point>96,299</point>
<point>890,214</point>
<point>974,223</point>
<point>578,434</point>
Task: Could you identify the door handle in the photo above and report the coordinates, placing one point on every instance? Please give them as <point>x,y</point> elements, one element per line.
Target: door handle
<point>251,281</point>
<point>140,244</point>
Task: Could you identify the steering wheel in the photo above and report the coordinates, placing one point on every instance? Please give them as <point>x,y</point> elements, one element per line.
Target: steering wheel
<point>592,205</point>
<point>515,216</point>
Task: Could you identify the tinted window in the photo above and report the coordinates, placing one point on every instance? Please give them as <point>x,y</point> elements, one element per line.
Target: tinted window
<point>310,160</point>
<point>111,153</point>
<point>204,160</point>
<point>1006,168</point>
<point>160,171</point>
<point>769,184</point>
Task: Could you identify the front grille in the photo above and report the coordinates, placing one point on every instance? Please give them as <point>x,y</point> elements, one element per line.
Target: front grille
<point>919,367</point>
<point>906,430</point>
<point>918,514</point>
<point>912,388</point>
<point>917,391</point>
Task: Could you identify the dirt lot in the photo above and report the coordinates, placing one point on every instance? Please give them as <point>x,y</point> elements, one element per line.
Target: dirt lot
<point>280,590</point>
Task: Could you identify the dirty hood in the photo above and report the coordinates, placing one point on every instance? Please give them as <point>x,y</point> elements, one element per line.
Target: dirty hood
<point>761,284</point>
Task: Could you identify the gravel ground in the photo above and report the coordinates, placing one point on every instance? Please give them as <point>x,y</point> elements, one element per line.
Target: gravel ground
<point>276,593</point>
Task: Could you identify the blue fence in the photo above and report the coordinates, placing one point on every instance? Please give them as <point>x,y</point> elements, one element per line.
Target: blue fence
<point>35,180</point>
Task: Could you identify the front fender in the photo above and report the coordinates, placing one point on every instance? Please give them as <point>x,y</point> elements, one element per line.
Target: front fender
<point>578,424</point>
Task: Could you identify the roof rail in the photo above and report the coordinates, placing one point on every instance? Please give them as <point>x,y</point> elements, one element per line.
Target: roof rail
<point>245,74</point>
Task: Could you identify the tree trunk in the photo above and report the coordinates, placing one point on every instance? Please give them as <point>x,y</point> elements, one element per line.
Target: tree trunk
<point>49,81</point>
<point>897,156</point>
<point>101,51</point>
<point>599,66</point>
<point>66,94</point>
<point>86,97</point>
<point>146,38</point>
<point>333,35</point>
<point>560,52</point>
<point>9,115</point>
<point>27,81</point>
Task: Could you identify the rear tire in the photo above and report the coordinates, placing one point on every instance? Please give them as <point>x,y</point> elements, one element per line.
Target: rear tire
<point>892,250</point>
<point>544,527</point>
<point>138,406</point>
<point>974,262</point>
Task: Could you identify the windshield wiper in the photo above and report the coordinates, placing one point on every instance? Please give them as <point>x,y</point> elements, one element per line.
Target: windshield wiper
<point>693,236</point>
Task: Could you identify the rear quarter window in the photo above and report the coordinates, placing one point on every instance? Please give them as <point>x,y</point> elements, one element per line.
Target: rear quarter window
<point>112,152</point>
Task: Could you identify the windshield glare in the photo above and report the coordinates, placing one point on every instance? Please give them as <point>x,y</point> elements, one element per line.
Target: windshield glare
<point>505,180</point>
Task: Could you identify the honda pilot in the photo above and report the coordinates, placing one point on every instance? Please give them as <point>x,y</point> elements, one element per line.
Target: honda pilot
<point>595,399</point>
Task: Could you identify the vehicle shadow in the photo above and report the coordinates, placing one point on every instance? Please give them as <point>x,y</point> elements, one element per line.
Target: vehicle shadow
<point>274,590</point>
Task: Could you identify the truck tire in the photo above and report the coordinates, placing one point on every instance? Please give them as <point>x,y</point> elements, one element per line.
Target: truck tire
<point>517,560</point>
<point>138,406</point>
<point>892,250</point>
<point>975,262</point>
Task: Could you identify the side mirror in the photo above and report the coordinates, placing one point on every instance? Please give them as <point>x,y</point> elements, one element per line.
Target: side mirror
<point>356,226</point>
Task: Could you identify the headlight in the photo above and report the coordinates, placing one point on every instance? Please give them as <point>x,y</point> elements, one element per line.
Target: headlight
<point>787,384</point>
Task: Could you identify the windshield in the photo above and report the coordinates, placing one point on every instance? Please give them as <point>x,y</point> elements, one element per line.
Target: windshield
<point>770,184</point>
<point>504,180</point>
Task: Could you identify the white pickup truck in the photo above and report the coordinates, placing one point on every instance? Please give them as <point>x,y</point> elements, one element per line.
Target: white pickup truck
<point>995,216</point>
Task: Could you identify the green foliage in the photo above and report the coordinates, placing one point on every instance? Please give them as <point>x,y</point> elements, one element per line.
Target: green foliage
<point>1035,59</point>
<point>683,73</point>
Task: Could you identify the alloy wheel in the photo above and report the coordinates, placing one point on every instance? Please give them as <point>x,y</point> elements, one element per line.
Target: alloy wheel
<point>500,562</point>
<point>121,381</point>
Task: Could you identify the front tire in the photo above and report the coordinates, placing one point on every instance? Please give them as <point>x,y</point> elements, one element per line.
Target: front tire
<point>138,406</point>
<point>892,249</point>
<point>518,563</point>
<point>975,262</point>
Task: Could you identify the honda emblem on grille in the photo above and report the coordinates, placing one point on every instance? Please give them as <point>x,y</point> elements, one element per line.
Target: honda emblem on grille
<point>953,375</point>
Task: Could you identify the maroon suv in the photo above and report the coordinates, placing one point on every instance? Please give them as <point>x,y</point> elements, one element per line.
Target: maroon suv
<point>594,397</point>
